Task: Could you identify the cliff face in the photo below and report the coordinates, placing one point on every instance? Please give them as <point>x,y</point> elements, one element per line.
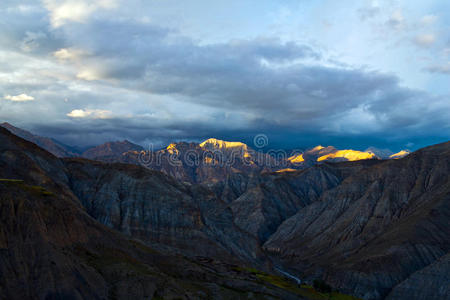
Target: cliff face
<point>431,282</point>
<point>376,228</point>
<point>263,207</point>
<point>372,228</point>
<point>51,248</point>
<point>155,207</point>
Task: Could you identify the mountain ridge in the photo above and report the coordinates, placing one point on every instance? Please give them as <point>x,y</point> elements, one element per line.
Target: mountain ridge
<point>210,143</point>
<point>374,229</point>
<point>110,150</point>
<point>52,248</point>
<point>54,147</point>
<point>366,227</point>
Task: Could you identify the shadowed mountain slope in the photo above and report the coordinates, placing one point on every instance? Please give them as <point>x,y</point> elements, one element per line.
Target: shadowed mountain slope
<point>51,248</point>
<point>372,228</point>
<point>375,229</point>
<point>52,146</point>
<point>155,207</point>
<point>262,208</point>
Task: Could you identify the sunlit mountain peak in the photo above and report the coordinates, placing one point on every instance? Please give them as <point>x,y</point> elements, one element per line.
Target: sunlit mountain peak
<point>317,148</point>
<point>349,154</point>
<point>400,154</point>
<point>296,158</point>
<point>215,143</point>
<point>172,148</point>
<point>286,170</point>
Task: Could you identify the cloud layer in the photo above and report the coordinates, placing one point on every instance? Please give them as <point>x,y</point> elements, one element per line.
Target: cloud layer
<point>108,71</point>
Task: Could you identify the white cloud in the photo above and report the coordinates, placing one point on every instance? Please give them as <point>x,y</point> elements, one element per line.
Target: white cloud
<point>19,98</point>
<point>428,19</point>
<point>90,113</point>
<point>68,54</point>
<point>62,11</point>
<point>88,74</point>
<point>425,40</point>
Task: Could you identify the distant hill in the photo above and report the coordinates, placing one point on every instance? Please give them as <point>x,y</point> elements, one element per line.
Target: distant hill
<point>56,148</point>
<point>110,150</point>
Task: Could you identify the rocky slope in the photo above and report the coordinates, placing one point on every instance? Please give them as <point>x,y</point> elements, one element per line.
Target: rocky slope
<point>52,146</point>
<point>372,228</point>
<point>375,229</point>
<point>51,248</point>
<point>154,207</point>
<point>261,208</point>
<point>431,282</point>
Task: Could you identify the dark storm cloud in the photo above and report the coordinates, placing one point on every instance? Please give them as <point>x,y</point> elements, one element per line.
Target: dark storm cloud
<point>265,84</point>
<point>129,50</point>
<point>24,29</point>
<point>144,131</point>
<point>280,83</point>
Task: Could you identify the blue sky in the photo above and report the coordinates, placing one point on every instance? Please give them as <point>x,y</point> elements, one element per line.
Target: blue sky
<point>344,73</point>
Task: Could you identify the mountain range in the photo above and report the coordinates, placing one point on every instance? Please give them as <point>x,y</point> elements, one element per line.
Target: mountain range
<point>74,228</point>
<point>207,162</point>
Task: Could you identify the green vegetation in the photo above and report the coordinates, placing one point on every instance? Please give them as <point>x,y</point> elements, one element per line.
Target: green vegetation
<point>40,190</point>
<point>6,180</point>
<point>115,263</point>
<point>304,290</point>
<point>34,189</point>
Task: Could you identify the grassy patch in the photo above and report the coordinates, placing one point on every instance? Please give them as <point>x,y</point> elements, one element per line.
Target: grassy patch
<point>6,180</point>
<point>303,290</point>
<point>40,190</point>
<point>33,189</point>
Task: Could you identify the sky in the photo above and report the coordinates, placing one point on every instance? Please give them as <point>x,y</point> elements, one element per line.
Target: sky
<point>352,74</point>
